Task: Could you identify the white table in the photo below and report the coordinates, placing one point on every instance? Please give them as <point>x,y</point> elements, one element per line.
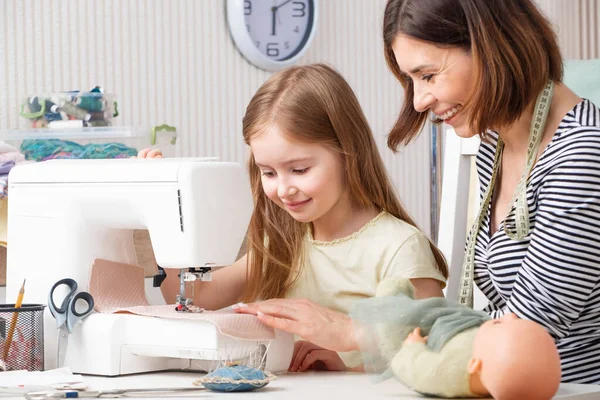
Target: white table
<point>305,386</point>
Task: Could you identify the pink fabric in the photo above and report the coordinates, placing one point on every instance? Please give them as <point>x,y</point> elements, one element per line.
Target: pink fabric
<point>116,285</point>
<point>119,288</point>
<point>242,326</point>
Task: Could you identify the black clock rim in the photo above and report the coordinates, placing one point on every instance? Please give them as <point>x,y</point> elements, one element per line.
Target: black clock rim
<point>309,28</point>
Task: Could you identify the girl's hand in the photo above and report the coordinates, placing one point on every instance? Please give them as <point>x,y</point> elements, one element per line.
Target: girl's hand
<point>415,337</point>
<point>310,356</point>
<point>320,325</point>
<point>150,153</point>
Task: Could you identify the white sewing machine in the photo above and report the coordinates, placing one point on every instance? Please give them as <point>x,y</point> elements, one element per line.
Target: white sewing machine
<point>65,213</point>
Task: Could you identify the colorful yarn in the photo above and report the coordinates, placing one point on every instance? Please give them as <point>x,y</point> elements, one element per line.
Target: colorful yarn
<point>89,103</point>
<point>48,149</point>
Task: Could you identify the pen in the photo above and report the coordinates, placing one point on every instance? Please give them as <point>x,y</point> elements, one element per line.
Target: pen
<point>13,322</point>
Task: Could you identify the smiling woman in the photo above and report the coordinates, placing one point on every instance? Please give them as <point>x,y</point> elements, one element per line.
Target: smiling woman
<point>432,72</point>
<point>499,56</point>
<point>493,68</point>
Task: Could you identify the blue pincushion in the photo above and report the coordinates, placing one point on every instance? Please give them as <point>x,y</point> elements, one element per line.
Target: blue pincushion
<point>236,378</point>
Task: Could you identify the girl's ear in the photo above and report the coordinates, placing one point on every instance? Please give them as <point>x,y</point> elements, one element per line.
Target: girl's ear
<point>474,366</point>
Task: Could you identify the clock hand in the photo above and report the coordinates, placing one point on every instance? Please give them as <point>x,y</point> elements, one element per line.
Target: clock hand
<point>282,4</point>
<point>274,15</point>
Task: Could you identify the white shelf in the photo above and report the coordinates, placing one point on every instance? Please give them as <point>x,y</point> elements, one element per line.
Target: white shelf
<point>104,132</point>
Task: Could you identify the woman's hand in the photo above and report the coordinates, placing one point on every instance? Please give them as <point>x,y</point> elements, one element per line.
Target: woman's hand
<point>415,337</point>
<point>150,153</point>
<point>317,324</point>
<point>308,355</point>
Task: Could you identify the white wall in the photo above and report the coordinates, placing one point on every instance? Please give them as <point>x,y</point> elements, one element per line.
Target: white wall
<point>173,62</point>
<point>577,24</point>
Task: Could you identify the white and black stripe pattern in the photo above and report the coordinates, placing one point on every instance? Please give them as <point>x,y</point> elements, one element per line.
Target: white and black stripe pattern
<point>552,276</point>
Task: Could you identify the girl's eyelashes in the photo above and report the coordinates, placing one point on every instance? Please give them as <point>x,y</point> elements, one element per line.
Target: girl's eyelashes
<point>427,77</point>
<point>295,171</point>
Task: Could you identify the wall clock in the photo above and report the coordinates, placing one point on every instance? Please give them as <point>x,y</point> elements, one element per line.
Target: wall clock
<point>272,34</point>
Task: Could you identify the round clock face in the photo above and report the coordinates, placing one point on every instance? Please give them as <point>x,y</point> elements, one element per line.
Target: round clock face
<point>279,29</point>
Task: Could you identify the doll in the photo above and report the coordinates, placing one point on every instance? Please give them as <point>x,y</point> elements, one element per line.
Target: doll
<point>465,353</point>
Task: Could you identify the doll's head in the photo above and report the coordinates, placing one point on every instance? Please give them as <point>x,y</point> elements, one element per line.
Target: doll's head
<point>515,359</point>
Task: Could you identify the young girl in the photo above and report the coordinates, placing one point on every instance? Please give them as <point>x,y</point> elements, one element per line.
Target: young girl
<point>327,224</point>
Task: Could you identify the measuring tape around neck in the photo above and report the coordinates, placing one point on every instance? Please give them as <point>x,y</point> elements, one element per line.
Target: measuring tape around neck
<point>538,122</point>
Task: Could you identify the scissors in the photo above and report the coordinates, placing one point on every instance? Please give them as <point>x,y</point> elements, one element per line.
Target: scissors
<point>67,314</point>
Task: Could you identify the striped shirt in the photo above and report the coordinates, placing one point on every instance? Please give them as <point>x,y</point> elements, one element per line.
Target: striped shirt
<point>552,276</point>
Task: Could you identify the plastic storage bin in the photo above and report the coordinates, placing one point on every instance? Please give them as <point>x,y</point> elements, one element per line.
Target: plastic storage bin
<point>81,125</point>
<point>76,143</point>
<point>73,124</point>
<point>87,143</point>
<point>73,109</point>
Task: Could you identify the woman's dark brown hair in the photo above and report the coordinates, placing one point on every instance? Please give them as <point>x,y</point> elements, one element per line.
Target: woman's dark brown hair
<point>513,48</point>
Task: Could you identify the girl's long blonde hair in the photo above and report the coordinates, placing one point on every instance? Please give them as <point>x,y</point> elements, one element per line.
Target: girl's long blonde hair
<point>312,103</point>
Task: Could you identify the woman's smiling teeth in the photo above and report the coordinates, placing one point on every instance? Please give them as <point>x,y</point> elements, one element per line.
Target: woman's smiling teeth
<point>450,113</point>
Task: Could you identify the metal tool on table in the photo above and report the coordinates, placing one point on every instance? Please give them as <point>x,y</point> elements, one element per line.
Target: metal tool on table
<point>111,393</point>
<point>67,315</point>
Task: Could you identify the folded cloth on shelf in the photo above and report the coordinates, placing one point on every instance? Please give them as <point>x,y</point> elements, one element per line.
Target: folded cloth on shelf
<point>49,149</point>
<point>6,166</point>
<point>6,148</point>
<point>14,156</point>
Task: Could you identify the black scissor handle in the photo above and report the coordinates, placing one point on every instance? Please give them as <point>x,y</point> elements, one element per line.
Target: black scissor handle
<point>72,315</point>
<point>84,296</point>
<point>62,310</point>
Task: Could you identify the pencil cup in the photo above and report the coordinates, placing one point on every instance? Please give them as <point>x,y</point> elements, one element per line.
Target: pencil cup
<point>24,337</point>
